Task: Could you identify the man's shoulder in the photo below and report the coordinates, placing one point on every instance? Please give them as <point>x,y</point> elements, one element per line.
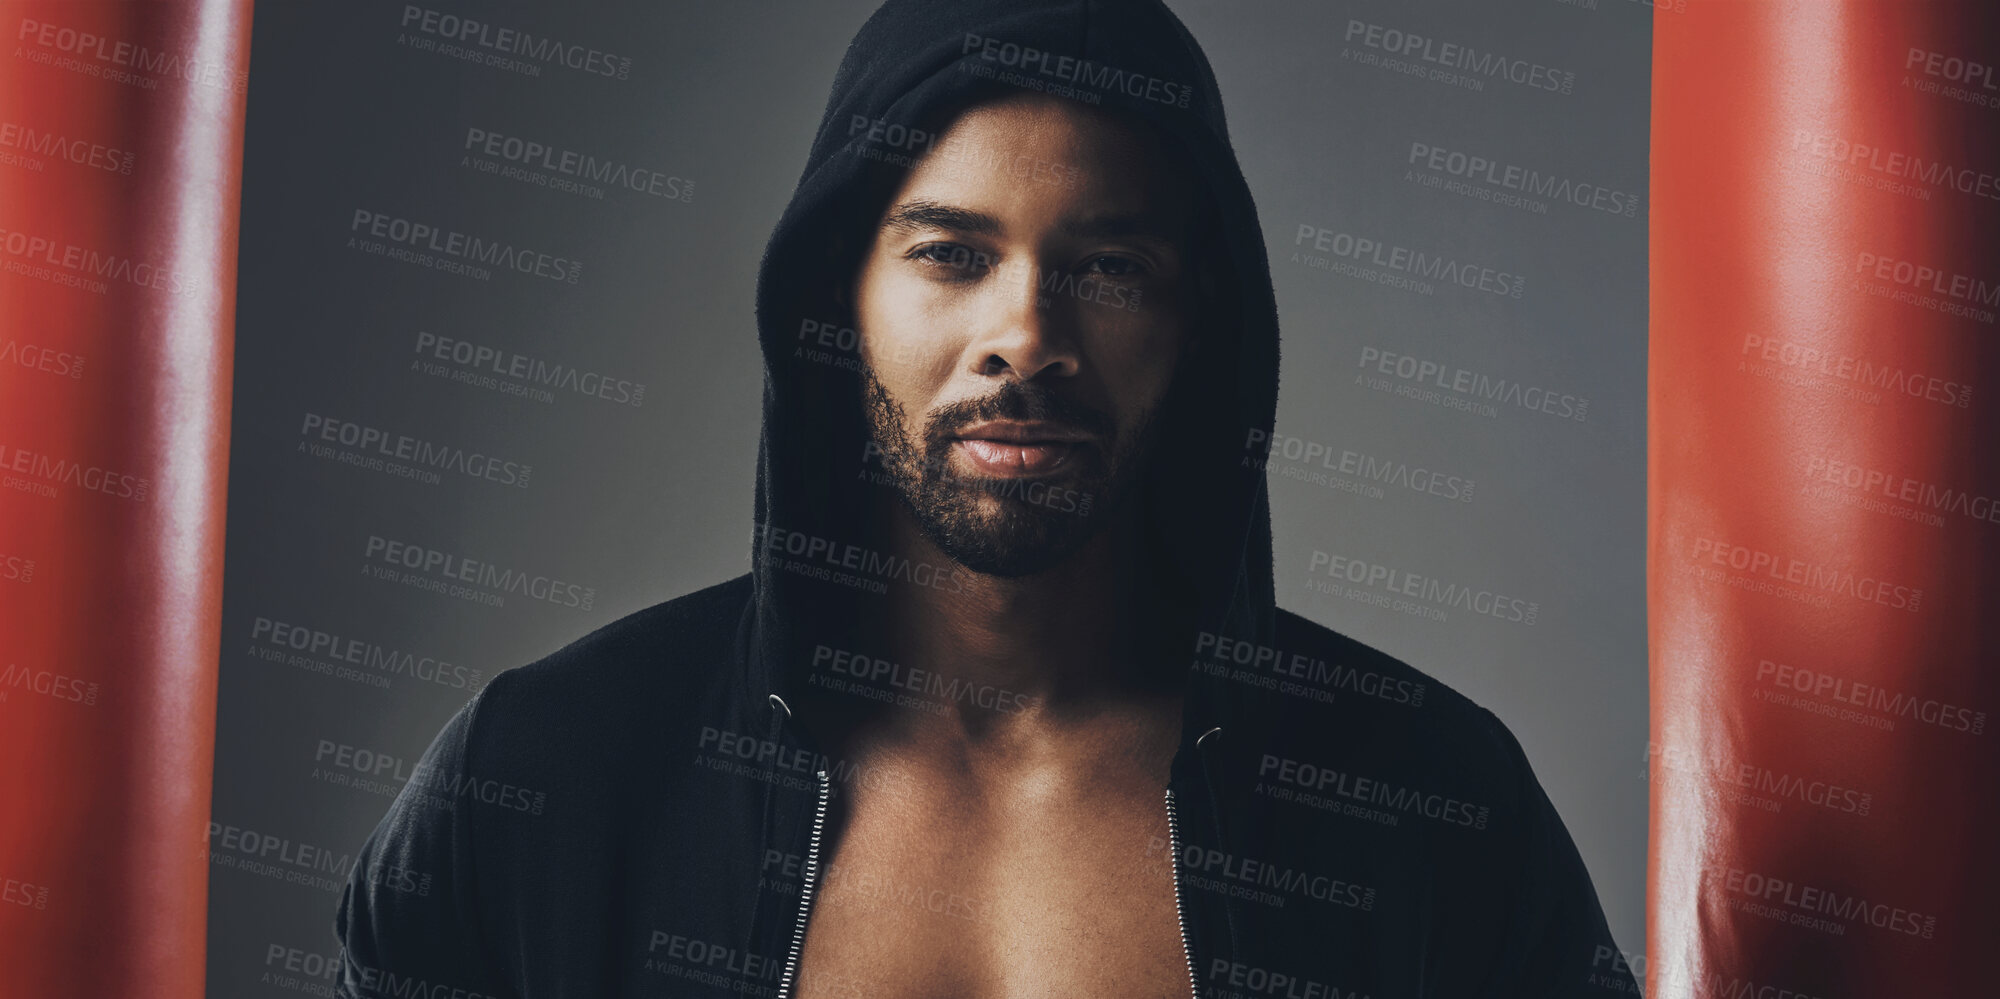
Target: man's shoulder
<point>1354,698</point>
<point>623,677</point>
<point>1355,666</point>
<point>667,641</point>
<point>1430,796</point>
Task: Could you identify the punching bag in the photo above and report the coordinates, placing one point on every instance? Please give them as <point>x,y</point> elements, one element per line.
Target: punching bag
<point>1824,499</point>
<point>121,128</point>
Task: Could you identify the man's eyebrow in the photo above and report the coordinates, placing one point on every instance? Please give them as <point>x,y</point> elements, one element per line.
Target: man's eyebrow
<point>918,216</point>
<point>915,216</point>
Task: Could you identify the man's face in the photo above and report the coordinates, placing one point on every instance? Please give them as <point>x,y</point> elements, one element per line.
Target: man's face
<point>1021,311</point>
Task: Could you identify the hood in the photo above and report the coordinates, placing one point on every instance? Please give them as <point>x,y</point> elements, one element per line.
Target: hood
<point>911,67</point>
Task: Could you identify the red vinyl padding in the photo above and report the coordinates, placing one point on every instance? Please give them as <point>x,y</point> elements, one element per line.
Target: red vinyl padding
<point>120,172</point>
<point>1824,460</point>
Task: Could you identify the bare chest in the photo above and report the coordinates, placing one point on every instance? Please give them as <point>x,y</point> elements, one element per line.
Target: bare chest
<point>926,890</point>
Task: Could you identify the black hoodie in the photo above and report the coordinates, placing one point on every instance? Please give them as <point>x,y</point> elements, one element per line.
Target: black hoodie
<point>638,813</point>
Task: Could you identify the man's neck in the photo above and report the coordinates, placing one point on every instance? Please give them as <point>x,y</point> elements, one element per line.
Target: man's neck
<point>1072,641</point>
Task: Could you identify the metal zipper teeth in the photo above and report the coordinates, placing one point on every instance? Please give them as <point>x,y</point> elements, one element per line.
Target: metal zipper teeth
<point>806,890</point>
<point>1180,907</point>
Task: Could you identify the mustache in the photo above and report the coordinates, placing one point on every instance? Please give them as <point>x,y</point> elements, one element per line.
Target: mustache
<point>1017,401</point>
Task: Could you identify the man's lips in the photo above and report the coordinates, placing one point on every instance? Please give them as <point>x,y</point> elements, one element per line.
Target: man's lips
<point>1017,449</point>
<point>1024,432</point>
<point>1004,458</point>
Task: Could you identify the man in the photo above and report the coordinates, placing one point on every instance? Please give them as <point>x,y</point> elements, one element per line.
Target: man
<point>1005,706</point>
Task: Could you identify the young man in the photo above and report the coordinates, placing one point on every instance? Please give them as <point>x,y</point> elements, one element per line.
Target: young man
<point>1005,706</point>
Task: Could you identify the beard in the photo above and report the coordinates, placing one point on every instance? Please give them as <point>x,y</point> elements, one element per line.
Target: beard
<point>1007,526</point>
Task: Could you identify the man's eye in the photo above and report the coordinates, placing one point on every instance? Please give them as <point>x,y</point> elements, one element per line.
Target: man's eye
<point>951,255</point>
<point>1112,266</point>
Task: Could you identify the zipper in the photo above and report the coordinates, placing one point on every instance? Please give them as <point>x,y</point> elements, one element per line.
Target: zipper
<point>1180,907</point>
<point>806,888</point>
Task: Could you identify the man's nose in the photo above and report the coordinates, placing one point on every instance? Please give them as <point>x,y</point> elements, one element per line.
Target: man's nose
<point>1029,334</point>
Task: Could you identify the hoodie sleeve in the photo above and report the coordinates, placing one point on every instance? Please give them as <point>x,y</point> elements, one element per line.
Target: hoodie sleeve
<point>1557,941</point>
<point>409,920</point>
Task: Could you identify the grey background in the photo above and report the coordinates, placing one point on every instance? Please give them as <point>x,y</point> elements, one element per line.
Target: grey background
<point>644,503</point>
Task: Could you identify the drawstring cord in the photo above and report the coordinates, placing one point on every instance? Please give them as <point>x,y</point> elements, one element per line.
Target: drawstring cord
<point>777,725</point>
<point>1201,745</point>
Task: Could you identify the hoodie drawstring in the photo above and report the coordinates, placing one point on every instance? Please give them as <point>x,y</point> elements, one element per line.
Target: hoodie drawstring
<point>1202,743</point>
